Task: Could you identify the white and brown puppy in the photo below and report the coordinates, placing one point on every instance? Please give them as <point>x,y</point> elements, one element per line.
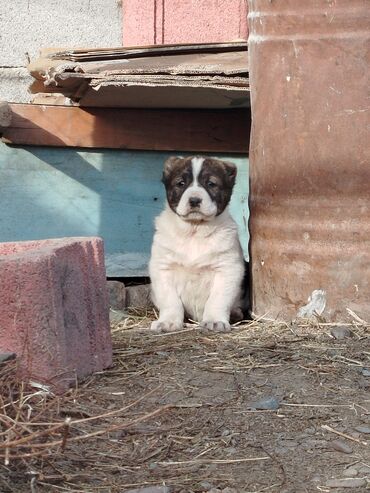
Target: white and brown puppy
<point>196,266</point>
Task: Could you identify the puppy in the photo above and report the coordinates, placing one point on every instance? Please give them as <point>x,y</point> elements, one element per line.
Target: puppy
<point>196,266</point>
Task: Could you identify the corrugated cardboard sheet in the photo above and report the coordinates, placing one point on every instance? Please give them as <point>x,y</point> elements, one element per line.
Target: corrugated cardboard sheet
<point>165,76</point>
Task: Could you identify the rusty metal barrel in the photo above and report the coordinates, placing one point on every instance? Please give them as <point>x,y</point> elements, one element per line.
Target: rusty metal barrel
<point>310,159</point>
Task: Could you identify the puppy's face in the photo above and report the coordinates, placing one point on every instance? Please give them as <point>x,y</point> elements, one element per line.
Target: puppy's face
<point>198,188</point>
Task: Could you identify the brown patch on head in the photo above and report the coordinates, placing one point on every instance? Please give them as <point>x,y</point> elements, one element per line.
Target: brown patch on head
<point>177,177</point>
<point>218,178</point>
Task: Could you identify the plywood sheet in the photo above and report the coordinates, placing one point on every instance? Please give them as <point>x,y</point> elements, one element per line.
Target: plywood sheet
<point>116,194</point>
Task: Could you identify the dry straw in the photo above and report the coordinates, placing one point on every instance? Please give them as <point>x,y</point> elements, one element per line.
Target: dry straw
<point>42,434</point>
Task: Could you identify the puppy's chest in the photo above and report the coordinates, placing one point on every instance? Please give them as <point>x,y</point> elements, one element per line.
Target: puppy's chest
<point>193,253</point>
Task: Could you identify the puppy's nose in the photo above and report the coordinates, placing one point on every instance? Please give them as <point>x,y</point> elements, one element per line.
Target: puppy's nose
<point>195,201</point>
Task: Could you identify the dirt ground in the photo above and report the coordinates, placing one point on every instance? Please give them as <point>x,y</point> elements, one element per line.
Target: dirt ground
<point>186,411</point>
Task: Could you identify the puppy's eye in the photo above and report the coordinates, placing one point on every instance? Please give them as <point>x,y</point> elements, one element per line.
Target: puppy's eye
<point>211,184</point>
<point>180,183</point>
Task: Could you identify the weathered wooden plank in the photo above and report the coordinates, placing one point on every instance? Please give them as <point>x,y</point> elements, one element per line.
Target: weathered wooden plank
<point>117,128</point>
<point>116,194</point>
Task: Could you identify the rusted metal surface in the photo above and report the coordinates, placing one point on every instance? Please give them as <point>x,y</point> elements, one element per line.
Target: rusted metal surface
<point>310,173</point>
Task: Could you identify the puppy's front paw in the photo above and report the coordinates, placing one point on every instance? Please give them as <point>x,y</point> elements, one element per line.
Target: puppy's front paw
<point>216,326</point>
<point>162,326</point>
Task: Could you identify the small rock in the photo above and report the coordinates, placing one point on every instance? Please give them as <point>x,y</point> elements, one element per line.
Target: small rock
<point>341,446</point>
<point>364,384</point>
<point>205,485</point>
<point>341,333</point>
<point>281,450</point>
<point>333,353</point>
<point>363,429</point>
<point>291,444</point>
<point>116,316</point>
<point>365,372</point>
<point>314,443</point>
<point>151,489</point>
<point>267,403</point>
<point>6,357</point>
<point>351,472</point>
<point>346,483</point>
<point>234,441</point>
<point>230,450</point>
<point>310,431</point>
<point>163,354</point>
<point>138,296</point>
<point>229,490</point>
<point>364,470</point>
<point>117,295</point>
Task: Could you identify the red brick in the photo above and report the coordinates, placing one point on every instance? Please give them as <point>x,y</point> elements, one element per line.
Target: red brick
<point>54,308</point>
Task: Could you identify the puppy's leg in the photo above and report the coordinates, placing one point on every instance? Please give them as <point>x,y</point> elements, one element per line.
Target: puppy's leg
<point>224,291</point>
<point>171,310</point>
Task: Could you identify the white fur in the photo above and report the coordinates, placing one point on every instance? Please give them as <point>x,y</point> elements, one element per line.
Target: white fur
<point>207,209</point>
<point>196,164</point>
<point>197,269</point>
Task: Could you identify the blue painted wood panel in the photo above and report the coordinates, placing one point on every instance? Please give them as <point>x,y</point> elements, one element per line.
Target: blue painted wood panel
<point>116,194</point>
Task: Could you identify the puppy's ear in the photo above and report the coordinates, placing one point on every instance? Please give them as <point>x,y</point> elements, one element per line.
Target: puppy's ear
<point>231,171</point>
<point>169,165</point>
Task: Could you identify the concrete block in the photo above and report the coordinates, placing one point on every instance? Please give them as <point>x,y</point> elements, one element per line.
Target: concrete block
<point>14,84</point>
<point>117,295</point>
<point>28,26</point>
<point>5,114</point>
<point>54,308</point>
<point>139,296</point>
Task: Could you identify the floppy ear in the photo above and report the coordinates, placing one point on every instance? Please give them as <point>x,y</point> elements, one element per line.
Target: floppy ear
<point>169,165</point>
<point>231,171</point>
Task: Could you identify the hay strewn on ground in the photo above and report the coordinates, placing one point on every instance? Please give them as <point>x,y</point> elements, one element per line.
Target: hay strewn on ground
<point>179,409</point>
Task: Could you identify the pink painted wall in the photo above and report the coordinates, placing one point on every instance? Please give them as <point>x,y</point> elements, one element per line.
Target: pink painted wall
<point>147,22</point>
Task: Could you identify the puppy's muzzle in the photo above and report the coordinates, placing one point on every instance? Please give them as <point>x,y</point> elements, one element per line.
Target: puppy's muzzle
<point>195,202</point>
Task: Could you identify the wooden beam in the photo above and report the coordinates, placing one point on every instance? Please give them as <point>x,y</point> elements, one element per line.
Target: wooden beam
<point>118,128</point>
